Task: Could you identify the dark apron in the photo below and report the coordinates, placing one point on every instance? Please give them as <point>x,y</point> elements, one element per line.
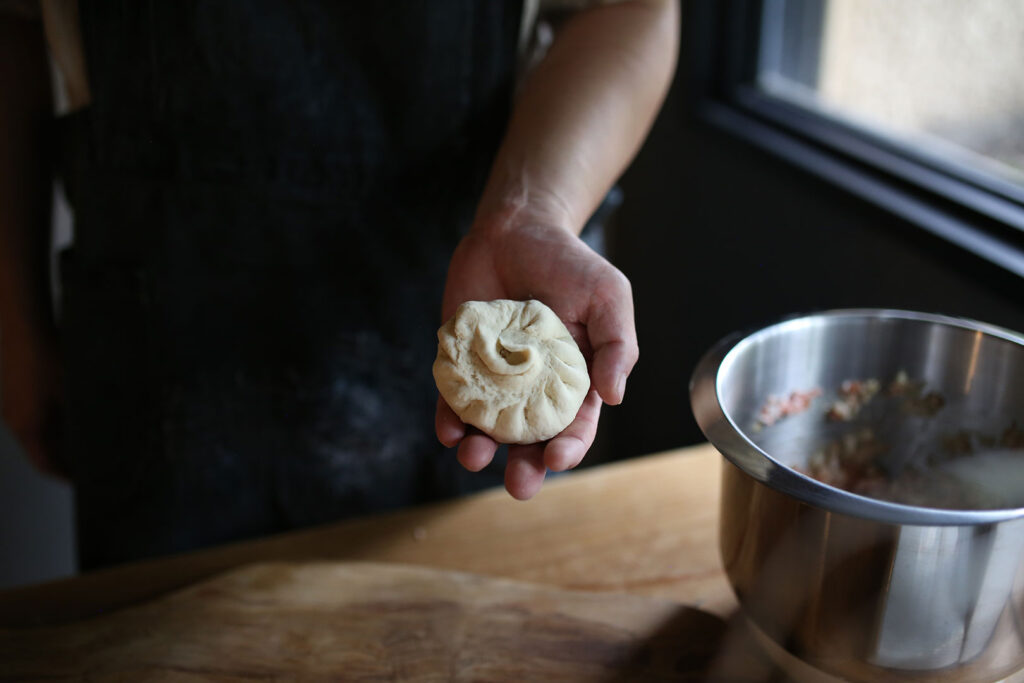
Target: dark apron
<point>266,197</point>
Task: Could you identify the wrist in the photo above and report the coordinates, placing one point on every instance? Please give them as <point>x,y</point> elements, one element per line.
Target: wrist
<point>516,207</point>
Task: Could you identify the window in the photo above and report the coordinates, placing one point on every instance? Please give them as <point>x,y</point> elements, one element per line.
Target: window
<point>944,77</point>
<point>915,106</point>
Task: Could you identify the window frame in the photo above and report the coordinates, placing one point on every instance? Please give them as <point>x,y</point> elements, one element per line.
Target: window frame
<point>970,209</point>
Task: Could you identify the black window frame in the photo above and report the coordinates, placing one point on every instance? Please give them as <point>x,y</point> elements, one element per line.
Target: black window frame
<point>973,211</point>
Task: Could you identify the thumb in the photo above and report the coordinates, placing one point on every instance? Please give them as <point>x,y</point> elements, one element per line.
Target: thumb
<point>612,333</point>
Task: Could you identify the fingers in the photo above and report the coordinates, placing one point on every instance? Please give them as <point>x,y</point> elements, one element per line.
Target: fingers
<point>524,473</point>
<point>612,333</point>
<point>476,451</point>
<point>527,465</point>
<point>450,429</point>
<point>566,450</point>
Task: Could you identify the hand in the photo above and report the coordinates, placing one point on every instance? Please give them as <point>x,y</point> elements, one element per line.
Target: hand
<point>30,398</point>
<point>532,260</point>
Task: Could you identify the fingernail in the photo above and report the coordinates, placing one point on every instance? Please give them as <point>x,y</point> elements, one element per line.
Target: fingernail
<point>621,386</point>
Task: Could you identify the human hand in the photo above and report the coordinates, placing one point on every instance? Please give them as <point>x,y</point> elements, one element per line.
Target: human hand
<point>533,259</point>
<point>30,398</point>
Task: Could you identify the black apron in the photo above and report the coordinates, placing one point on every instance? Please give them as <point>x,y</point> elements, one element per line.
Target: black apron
<point>266,197</point>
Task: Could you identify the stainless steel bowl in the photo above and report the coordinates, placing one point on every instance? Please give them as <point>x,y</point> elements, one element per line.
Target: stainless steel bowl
<point>855,586</point>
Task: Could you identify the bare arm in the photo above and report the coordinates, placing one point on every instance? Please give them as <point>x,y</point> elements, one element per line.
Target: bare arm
<point>27,335</point>
<point>584,112</point>
<point>578,122</point>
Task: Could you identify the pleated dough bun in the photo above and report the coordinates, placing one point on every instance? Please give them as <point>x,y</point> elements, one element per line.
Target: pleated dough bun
<point>511,369</point>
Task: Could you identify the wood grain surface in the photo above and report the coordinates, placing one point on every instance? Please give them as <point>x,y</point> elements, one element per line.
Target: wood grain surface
<point>628,585</point>
<point>368,621</point>
<point>646,527</point>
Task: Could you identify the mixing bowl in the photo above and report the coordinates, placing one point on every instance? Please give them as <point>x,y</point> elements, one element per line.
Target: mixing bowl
<point>851,584</point>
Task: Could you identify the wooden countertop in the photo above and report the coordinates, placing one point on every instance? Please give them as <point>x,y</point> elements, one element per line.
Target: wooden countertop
<point>645,526</point>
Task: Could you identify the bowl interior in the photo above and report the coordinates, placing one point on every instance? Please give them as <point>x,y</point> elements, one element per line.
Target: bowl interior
<point>978,372</point>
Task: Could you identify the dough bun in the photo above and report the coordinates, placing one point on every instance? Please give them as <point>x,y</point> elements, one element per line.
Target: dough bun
<point>511,369</point>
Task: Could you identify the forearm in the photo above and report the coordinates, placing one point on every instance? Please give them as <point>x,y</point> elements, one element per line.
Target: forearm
<point>583,113</point>
<point>25,109</point>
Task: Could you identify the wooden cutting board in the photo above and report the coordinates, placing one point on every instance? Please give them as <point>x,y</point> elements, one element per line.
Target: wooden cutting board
<point>369,621</point>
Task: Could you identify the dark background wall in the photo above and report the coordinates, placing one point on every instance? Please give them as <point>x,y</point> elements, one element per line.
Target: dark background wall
<point>718,236</point>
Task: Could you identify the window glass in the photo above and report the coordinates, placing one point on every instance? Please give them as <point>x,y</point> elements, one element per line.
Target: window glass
<point>946,76</point>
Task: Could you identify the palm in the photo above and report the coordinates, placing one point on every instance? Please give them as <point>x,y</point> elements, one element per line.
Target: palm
<point>587,293</point>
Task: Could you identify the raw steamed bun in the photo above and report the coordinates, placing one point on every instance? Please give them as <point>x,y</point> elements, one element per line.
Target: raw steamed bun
<point>511,369</point>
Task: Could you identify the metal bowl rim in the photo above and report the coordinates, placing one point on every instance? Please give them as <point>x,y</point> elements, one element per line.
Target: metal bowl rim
<point>733,443</point>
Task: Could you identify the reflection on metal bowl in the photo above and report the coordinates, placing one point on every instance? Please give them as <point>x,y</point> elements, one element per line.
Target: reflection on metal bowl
<point>860,587</point>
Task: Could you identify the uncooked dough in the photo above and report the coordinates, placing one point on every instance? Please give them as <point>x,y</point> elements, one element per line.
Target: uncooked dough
<point>511,369</point>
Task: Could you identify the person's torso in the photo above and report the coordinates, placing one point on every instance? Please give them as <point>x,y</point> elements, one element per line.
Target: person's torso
<point>266,196</point>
